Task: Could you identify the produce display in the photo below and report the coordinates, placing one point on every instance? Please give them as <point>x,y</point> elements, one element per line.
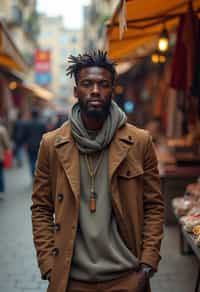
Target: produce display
<point>188,210</point>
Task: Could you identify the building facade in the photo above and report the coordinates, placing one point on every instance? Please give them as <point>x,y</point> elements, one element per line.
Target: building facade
<point>60,42</point>
<point>96,16</point>
<point>22,21</point>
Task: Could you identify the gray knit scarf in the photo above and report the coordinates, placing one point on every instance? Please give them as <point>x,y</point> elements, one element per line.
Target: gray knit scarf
<point>115,120</point>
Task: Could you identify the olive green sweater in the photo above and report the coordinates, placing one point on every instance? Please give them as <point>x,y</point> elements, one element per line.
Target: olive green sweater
<point>99,254</point>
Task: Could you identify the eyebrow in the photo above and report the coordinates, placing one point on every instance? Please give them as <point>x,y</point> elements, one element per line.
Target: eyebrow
<point>91,79</point>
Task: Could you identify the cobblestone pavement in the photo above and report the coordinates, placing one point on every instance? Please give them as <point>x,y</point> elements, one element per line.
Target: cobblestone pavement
<point>18,267</point>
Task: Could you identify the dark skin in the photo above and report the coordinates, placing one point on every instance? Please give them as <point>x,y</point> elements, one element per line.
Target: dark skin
<point>94,91</point>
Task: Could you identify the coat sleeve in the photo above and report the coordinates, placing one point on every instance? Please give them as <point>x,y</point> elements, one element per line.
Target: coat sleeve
<point>42,211</point>
<point>153,209</point>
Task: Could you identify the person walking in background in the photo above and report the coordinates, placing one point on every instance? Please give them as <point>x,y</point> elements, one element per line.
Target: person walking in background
<point>97,211</point>
<point>61,118</point>
<point>33,131</point>
<point>18,139</point>
<point>4,145</point>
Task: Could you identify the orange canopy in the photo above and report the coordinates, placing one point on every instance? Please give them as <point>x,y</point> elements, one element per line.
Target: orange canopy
<point>144,20</point>
<point>10,56</point>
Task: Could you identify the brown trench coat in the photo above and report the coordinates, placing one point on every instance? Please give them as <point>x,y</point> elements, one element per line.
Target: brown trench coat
<point>136,199</point>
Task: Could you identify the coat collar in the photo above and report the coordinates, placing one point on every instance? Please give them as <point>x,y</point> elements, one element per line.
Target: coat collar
<point>63,135</point>
<point>69,156</point>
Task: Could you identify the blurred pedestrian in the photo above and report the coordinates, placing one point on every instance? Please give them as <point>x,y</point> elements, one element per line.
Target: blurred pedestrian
<point>18,139</point>
<point>4,146</point>
<point>97,176</point>
<point>51,123</point>
<point>61,118</point>
<point>34,129</point>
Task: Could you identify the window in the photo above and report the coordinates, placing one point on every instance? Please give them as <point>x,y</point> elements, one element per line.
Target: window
<point>46,34</point>
<point>63,53</point>
<point>63,79</point>
<point>16,15</point>
<point>74,39</point>
<point>63,40</point>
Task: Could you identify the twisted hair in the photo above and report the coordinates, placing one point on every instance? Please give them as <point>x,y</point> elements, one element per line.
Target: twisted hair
<point>94,59</point>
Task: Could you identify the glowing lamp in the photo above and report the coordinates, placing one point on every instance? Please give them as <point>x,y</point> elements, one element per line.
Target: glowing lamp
<point>163,42</point>
<point>155,58</point>
<point>13,85</point>
<point>162,59</point>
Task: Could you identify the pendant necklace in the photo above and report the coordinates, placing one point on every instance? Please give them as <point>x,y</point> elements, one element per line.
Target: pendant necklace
<point>92,173</point>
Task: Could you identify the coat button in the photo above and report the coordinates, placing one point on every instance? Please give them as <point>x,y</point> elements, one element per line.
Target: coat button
<point>60,197</point>
<point>58,139</point>
<point>128,173</point>
<point>56,227</point>
<point>55,252</point>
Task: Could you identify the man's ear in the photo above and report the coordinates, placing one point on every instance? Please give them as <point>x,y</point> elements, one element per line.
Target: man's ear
<point>75,92</point>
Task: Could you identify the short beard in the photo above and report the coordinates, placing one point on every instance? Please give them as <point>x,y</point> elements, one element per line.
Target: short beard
<point>94,113</point>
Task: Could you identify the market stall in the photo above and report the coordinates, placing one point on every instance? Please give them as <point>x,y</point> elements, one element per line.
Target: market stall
<point>187,212</point>
<point>12,64</point>
<point>36,96</point>
<point>165,34</point>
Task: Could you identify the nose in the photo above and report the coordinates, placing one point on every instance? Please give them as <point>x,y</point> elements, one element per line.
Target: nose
<point>95,89</point>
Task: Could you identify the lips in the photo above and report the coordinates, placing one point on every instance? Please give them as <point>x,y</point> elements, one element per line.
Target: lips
<point>95,102</point>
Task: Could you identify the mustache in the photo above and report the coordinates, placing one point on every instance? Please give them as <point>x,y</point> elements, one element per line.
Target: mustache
<point>92,98</point>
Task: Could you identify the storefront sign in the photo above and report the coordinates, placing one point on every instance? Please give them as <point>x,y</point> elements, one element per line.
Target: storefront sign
<point>43,67</point>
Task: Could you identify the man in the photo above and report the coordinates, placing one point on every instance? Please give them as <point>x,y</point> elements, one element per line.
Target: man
<point>33,131</point>
<point>18,139</point>
<point>97,187</point>
<point>4,146</point>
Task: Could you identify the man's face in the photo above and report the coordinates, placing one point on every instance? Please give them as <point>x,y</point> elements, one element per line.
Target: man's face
<point>94,91</point>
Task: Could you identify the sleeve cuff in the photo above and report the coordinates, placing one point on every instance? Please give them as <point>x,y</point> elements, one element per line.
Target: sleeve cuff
<point>45,268</point>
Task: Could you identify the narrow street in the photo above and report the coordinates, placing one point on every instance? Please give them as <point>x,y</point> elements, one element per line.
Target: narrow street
<point>18,267</point>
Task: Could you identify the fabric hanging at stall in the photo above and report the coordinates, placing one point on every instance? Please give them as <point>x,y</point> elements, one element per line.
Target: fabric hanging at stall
<point>179,65</point>
<point>178,82</point>
<point>184,63</point>
<point>122,20</point>
<point>196,79</point>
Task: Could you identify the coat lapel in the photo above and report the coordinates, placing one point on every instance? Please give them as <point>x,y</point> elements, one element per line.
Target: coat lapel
<point>119,149</point>
<point>69,157</point>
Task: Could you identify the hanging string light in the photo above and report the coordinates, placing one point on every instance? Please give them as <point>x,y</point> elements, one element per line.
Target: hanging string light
<point>162,58</point>
<point>157,57</point>
<point>12,85</point>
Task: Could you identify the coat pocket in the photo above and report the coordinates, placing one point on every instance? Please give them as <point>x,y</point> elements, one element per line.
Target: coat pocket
<point>130,170</point>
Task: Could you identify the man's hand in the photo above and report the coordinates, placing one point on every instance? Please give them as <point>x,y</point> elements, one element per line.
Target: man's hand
<point>148,270</point>
<point>48,276</point>
<point>145,272</point>
<point>142,280</point>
